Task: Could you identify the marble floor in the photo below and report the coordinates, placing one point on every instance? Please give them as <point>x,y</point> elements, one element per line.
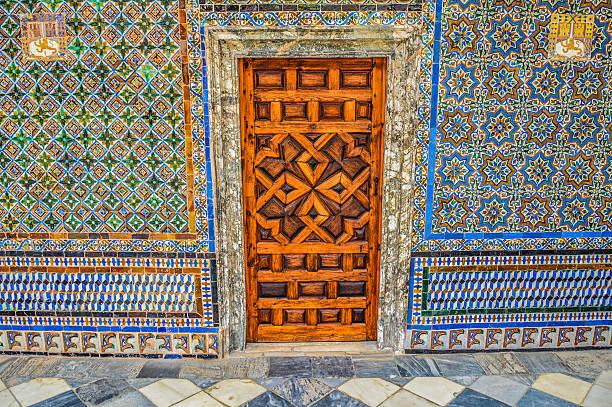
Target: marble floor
<point>526,379</point>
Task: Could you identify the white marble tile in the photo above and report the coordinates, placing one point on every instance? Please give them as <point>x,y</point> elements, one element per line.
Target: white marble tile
<point>7,399</point>
<point>436,389</point>
<point>235,392</point>
<point>37,390</point>
<point>598,396</point>
<point>166,392</point>
<point>562,386</point>
<point>500,388</point>
<point>404,398</point>
<point>605,379</point>
<point>371,391</point>
<point>200,399</point>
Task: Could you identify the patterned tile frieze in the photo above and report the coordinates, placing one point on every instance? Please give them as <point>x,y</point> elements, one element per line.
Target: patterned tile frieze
<point>455,290</point>
<point>518,337</point>
<point>98,292</point>
<point>108,343</point>
<point>490,291</point>
<point>310,18</point>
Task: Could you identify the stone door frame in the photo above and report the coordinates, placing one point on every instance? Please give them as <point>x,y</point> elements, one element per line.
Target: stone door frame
<point>401,46</point>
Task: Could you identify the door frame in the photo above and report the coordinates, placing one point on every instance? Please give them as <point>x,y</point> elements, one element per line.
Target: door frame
<point>401,46</point>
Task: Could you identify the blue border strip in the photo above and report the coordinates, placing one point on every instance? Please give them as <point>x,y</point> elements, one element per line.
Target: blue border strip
<point>433,117</point>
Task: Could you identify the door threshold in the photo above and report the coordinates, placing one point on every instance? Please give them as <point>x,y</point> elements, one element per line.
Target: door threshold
<point>366,348</point>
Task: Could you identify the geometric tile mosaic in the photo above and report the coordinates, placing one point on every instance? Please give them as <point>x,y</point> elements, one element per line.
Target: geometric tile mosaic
<point>492,290</point>
<point>95,142</point>
<point>511,164</point>
<point>527,290</point>
<point>103,179</point>
<point>128,287</point>
<point>98,292</point>
<point>518,152</point>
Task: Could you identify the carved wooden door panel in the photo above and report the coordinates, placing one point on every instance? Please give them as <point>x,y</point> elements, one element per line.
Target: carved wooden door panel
<point>311,157</point>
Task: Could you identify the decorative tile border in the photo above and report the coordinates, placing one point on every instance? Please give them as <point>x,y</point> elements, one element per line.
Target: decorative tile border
<point>442,52</point>
<point>108,343</point>
<point>519,338</point>
<point>504,302</point>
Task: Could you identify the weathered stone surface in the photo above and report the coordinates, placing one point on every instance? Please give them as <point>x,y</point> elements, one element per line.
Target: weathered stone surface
<point>223,48</point>
<point>500,364</point>
<point>247,367</point>
<point>198,368</point>
<point>587,363</point>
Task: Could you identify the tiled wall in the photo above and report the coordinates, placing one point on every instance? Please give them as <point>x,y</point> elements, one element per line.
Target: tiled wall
<point>512,225</point>
<point>104,190</point>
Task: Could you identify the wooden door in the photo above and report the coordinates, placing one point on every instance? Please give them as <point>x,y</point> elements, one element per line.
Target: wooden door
<point>312,134</point>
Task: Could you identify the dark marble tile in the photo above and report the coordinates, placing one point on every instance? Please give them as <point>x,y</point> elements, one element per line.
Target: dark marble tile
<point>139,383</point>
<point>133,399</point>
<point>399,380</point>
<point>369,367</point>
<point>102,390</point>
<point>458,365</point>
<point>471,398</point>
<point>409,365</point>
<point>74,383</point>
<point>290,367</point>
<point>162,368</point>
<point>545,362</point>
<point>302,392</point>
<point>536,398</point>
<point>67,399</point>
<point>332,366</point>
<point>464,380</point>
<point>268,399</point>
<point>204,382</point>
<point>338,399</point>
<point>271,382</point>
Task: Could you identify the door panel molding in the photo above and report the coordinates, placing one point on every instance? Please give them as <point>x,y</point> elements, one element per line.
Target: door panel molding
<point>224,48</point>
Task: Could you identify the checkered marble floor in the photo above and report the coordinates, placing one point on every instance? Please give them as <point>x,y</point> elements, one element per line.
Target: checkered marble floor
<point>499,379</point>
